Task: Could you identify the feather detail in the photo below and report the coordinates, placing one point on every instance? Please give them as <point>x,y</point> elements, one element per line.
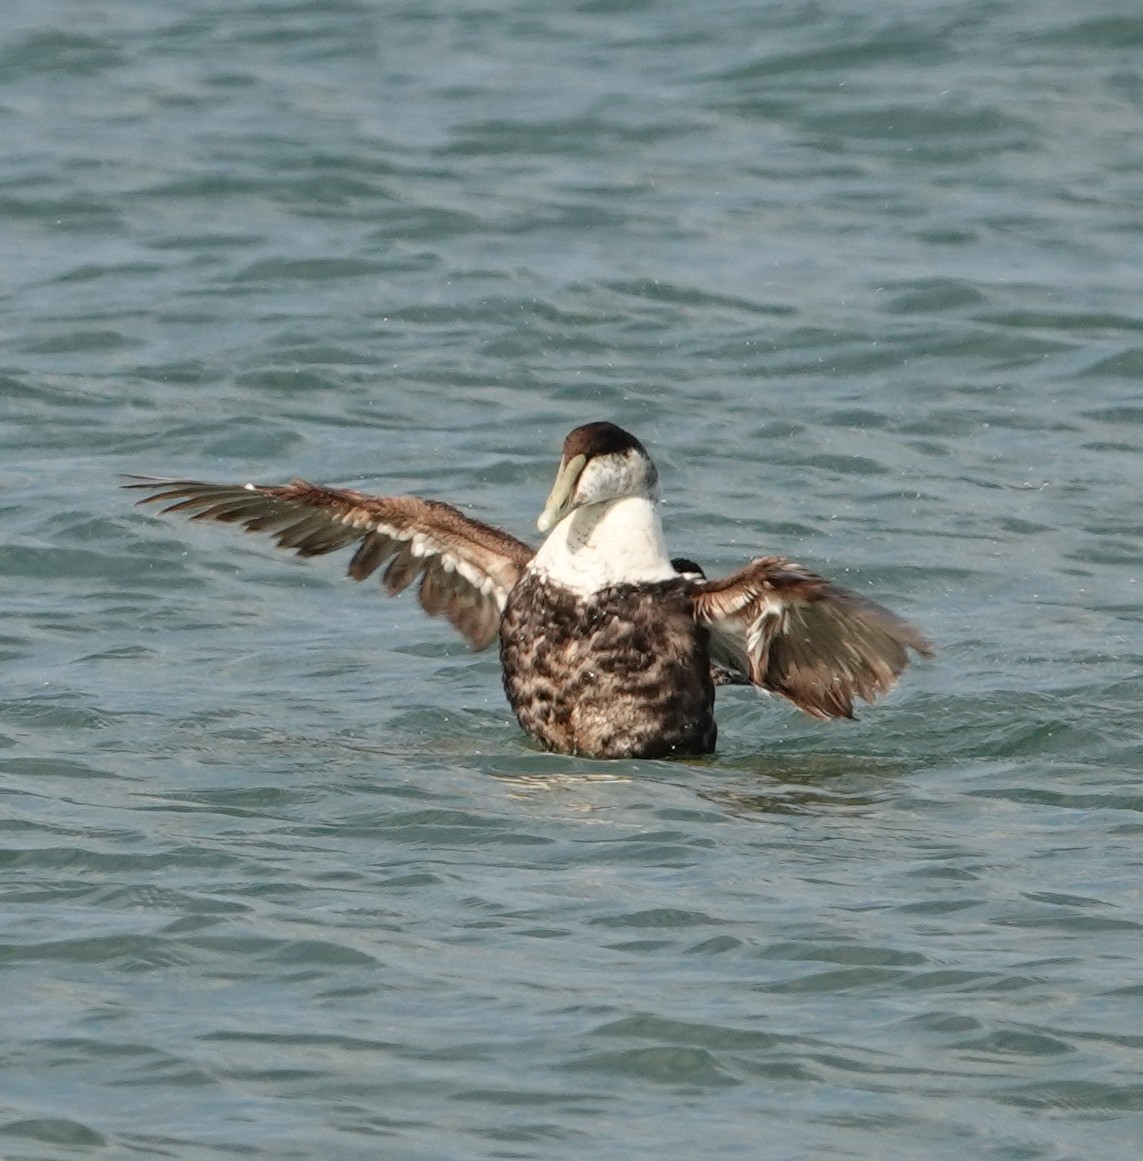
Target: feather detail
<point>467,568</point>
<point>796,634</point>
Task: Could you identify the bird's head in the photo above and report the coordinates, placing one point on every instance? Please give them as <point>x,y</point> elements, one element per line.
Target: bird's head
<point>600,462</point>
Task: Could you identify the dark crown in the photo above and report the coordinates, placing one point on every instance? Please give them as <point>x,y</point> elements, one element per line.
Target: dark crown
<point>599,439</point>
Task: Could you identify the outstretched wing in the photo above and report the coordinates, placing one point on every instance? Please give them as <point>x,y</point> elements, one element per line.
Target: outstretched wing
<point>466,568</point>
<point>799,636</point>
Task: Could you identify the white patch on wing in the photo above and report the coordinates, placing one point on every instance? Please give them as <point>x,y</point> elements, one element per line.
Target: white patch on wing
<point>424,545</point>
<point>600,545</point>
<point>479,580</point>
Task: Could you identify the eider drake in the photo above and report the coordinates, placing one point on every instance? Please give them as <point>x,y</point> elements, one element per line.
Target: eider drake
<point>609,648</point>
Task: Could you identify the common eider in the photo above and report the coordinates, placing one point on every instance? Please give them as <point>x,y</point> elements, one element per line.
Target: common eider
<point>609,648</point>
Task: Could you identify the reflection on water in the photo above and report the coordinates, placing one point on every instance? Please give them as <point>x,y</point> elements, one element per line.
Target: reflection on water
<point>803,783</point>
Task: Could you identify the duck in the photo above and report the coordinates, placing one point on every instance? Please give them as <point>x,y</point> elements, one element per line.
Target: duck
<point>609,647</point>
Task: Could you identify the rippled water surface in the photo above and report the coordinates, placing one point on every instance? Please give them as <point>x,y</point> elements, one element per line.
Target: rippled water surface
<point>281,877</point>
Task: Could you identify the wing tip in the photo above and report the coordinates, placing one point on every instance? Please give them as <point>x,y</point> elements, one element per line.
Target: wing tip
<point>924,648</point>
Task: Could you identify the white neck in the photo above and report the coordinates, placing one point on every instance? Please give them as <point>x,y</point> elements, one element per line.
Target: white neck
<point>599,545</point>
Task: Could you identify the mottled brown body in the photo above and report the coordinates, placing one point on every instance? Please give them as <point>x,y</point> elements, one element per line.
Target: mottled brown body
<point>623,673</point>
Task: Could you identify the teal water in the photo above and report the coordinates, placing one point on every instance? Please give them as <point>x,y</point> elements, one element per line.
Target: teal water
<point>279,876</point>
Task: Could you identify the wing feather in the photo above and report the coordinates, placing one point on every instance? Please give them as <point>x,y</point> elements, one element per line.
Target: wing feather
<point>402,570</point>
<point>466,568</point>
<point>796,634</point>
<point>369,557</point>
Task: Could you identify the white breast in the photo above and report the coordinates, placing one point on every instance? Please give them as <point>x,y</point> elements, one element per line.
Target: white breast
<point>600,545</point>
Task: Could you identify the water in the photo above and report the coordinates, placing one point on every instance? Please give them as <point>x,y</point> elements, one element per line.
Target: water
<point>281,878</point>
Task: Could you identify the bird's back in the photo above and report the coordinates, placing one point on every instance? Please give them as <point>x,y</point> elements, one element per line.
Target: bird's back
<point>620,673</point>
